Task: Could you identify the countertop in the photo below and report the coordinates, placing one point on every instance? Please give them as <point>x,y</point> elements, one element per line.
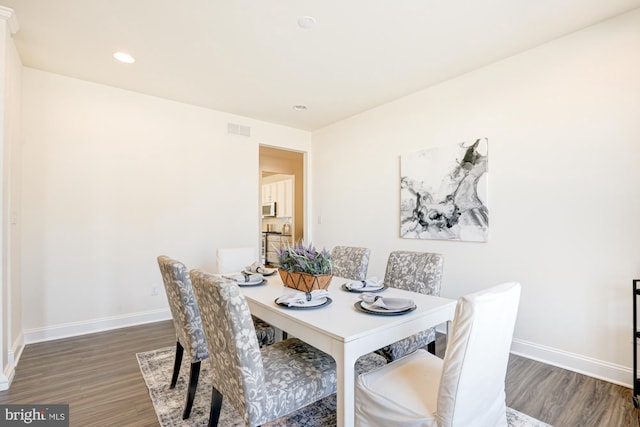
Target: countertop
<point>276,232</point>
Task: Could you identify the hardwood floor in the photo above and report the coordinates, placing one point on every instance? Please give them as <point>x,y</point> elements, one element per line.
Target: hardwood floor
<point>98,376</point>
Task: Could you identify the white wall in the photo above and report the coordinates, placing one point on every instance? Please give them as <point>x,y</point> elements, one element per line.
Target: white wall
<point>112,179</point>
<point>563,124</point>
<point>11,342</point>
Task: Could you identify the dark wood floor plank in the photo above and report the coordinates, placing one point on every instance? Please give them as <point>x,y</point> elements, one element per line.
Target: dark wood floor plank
<point>98,376</point>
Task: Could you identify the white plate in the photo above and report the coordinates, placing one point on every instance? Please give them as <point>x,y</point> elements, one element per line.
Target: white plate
<point>250,282</point>
<point>307,304</point>
<point>365,289</point>
<point>268,271</point>
<point>392,308</point>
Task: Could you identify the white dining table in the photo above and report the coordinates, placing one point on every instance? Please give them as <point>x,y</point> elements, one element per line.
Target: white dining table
<point>343,331</point>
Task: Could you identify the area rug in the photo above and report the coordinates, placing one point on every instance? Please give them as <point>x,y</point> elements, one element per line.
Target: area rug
<point>156,367</point>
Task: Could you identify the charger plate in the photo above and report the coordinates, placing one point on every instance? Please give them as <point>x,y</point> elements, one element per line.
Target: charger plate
<point>307,306</point>
<point>382,312</point>
<point>361,290</point>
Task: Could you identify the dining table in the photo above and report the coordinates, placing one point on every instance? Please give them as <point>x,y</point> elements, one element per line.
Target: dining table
<point>342,330</point>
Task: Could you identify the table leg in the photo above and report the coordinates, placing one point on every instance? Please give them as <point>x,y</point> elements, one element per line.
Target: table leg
<point>345,370</point>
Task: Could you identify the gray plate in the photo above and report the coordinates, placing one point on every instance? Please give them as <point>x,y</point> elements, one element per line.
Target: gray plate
<point>264,281</point>
<point>294,307</point>
<point>359,307</point>
<point>359,291</point>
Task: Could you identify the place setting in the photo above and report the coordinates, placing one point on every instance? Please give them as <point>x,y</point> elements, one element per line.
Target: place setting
<point>300,300</point>
<point>258,268</point>
<point>384,306</point>
<point>247,279</point>
<point>372,284</point>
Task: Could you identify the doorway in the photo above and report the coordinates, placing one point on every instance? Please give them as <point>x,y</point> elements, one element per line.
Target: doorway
<point>282,197</point>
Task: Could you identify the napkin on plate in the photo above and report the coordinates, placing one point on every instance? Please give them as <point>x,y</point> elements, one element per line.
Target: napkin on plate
<point>373,283</point>
<point>391,304</point>
<point>256,267</point>
<point>245,278</point>
<point>292,296</point>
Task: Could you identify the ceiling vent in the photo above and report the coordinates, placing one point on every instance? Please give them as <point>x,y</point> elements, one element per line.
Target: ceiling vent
<point>236,129</point>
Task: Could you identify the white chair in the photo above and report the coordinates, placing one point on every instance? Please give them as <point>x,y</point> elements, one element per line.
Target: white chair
<point>233,260</point>
<point>465,389</point>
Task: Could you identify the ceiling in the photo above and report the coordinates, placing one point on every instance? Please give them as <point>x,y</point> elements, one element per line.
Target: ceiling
<point>250,57</point>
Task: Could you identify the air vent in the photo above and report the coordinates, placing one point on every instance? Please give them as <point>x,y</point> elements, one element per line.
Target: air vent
<point>236,129</point>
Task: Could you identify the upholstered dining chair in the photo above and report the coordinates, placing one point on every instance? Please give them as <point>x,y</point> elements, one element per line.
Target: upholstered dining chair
<point>262,384</point>
<point>467,388</point>
<point>188,325</point>
<point>418,272</point>
<point>233,260</point>
<point>350,262</point>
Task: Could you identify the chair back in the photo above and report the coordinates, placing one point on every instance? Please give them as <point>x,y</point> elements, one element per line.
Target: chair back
<point>230,260</point>
<point>474,369</point>
<point>236,369</point>
<point>415,271</point>
<point>184,308</point>
<point>350,262</point>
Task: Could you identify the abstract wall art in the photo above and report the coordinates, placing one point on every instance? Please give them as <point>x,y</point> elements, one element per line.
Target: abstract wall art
<point>443,193</point>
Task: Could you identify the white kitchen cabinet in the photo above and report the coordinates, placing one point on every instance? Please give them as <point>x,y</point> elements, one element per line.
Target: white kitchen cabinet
<point>281,192</point>
<point>268,193</point>
<point>284,198</point>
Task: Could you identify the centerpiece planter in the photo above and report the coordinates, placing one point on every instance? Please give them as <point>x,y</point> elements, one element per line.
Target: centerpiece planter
<point>304,268</point>
<point>304,282</point>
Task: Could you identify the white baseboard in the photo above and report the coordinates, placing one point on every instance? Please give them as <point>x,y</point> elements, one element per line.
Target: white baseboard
<point>16,349</point>
<point>599,369</point>
<point>13,356</point>
<point>91,326</point>
<point>595,368</point>
<point>7,377</point>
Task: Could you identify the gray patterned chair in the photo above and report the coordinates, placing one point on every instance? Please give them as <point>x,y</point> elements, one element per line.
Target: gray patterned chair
<point>350,262</point>
<point>234,260</point>
<point>262,384</point>
<point>417,272</point>
<point>188,325</point>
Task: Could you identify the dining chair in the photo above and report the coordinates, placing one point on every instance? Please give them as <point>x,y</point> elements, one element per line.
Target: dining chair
<point>350,262</point>
<point>262,384</point>
<point>188,325</point>
<point>418,272</point>
<point>467,388</point>
<point>234,260</point>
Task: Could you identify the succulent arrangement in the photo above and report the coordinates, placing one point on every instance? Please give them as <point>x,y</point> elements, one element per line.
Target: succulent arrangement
<point>304,259</point>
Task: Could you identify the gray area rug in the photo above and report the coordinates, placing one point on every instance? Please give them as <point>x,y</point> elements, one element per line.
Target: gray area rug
<point>156,367</point>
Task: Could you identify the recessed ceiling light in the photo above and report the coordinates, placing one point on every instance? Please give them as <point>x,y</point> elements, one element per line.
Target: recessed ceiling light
<point>306,22</point>
<point>299,107</point>
<point>124,57</point>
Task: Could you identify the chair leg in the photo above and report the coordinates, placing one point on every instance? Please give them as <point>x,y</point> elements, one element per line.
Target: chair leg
<point>176,364</point>
<point>191,393</point>
<point>431,347</point>
<point>216,407</point>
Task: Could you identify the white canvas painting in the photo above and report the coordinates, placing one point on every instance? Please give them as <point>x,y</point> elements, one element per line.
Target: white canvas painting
<point>443,193</point>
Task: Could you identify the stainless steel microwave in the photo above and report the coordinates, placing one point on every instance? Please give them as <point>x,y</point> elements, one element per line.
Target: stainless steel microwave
<point>269,209</point>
